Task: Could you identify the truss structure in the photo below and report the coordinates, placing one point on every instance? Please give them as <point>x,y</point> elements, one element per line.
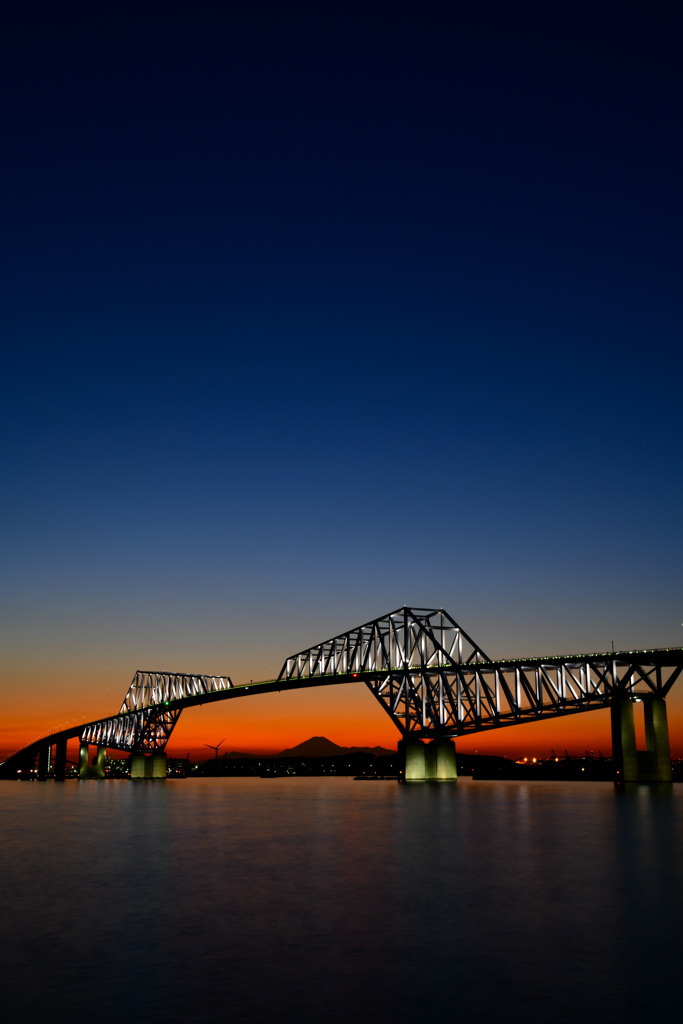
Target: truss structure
<point>423,668</point>
<point>146,731</point>
<point>422,638</point>
<point>433,679</point>
<point>146,720</point>
<point>150,688</point>
<point>466,699</point>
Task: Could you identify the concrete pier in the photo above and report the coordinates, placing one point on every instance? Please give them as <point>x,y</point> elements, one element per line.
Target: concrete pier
<point>444,757</point>
<point>630,764</point>
<point>432,762</point>
<point>86,770</point>
<point>151,767</point>
<point>98,762</point>
<point>413,756</point>
<point>157,764</point>
<point>43,763</point>
<point>657,737</point>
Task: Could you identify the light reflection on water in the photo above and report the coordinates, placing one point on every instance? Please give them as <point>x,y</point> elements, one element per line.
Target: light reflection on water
<point>328,899</point>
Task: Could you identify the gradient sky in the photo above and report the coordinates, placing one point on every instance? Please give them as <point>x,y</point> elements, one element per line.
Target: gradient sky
<point>312,311</point>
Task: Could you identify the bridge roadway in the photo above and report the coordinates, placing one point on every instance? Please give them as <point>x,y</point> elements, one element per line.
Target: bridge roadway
<point>428,675</point>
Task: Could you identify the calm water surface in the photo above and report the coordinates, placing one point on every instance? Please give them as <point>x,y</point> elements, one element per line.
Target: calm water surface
<point>330,900</point>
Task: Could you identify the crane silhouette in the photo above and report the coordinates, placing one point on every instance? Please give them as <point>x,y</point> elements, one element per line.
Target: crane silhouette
<point>212,747</point>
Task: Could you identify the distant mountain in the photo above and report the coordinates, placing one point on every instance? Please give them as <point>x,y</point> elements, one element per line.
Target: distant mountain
<point>320,746</point>
<point>317,746</point>
<point>238,754</point>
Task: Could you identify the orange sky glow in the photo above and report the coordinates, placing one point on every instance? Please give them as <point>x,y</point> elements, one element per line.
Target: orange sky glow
<point>346,714</point>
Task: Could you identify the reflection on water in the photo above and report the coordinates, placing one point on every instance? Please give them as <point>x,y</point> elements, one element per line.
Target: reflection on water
<point>324,900</point>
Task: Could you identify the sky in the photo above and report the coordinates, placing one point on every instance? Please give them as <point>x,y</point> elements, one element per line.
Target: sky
<point>315,310</point>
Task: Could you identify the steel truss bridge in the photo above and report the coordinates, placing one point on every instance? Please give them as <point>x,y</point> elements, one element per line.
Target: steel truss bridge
<point>430,677</point>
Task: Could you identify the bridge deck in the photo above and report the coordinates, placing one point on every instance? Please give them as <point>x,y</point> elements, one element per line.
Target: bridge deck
<point>427,674</point>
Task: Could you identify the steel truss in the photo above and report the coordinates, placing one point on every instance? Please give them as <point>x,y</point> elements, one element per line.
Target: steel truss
<point>433,680</point>
<point>145,722</point>
<point>149,688</point>
<point>425,671</point>
<point>462,700</point>
<point>423,637</point>
<point>144,731</point>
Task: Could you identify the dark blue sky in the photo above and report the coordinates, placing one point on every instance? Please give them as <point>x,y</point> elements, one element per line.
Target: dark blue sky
<point>315,310</point>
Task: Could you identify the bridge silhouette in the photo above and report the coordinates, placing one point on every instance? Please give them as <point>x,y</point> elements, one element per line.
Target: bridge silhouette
<point>432,679</point>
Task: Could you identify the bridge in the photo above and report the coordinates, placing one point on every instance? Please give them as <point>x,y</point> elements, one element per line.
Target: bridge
<point>430,677</point>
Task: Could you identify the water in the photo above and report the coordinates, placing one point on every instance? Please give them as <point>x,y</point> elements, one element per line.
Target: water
<point>329,900</point>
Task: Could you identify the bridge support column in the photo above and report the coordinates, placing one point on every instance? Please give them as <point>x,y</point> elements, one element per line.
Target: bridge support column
<point>445,769</point>
<point>156,766</point>
<point>98,762</point>
<point>630,764</point>
<point>412,755</point>
<point>43,763</point>
<point>433,762</point>
<point>60,761</point>
<point>430,761</point>
<point>657,738</point>
<point>83,761</point>
<point>150,767</point>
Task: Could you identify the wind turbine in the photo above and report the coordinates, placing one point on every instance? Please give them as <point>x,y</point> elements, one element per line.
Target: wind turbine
<point>211,747</point>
